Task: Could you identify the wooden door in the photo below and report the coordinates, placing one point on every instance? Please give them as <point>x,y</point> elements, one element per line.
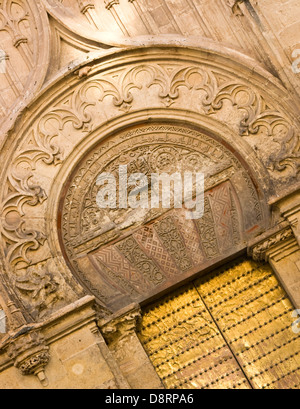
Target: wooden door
<point>231,330</point>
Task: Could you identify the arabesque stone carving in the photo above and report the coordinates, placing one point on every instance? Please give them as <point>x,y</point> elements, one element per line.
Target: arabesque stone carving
<point>159,86</point>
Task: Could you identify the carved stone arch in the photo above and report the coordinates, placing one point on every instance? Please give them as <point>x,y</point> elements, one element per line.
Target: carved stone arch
<point>230,106</point>
<point>101,257</point>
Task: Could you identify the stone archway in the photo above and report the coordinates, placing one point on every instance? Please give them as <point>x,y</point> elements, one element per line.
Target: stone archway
<point>130,255</point>
<point>222,95</point>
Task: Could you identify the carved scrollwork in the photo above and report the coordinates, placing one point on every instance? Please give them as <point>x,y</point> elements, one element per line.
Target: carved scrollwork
<point>41,286</point>
<point>261,118</point>
<point>20,242</point>
<point>259,251</point>
<point>169,82</point>
<point>30,354</point>
<point>173,242</point>
<point>22,190</point>
<point>122,98</point>
<point>122,89</point>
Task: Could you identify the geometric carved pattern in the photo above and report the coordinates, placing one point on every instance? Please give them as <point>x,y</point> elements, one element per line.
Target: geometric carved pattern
<point>190,236</point>
<point>120,271</point>
<point>207,231</point>
<point>159,247</point>
<point>173,242</point>
<point>224,214</point>
<point>219,227</point>
<point>149,240</point>
<point>137,257</point>
<point>163,252</point>
<point>221,210</point>
<point>87,104</point>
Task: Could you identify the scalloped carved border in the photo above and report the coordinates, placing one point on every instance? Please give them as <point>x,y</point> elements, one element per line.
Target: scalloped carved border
<point>213,87</point>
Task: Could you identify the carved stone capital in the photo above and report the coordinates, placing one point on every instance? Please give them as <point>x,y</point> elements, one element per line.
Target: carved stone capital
<point>110,3</point>
<point>121,325</point>
<point>30,353</point>
<point>260,249</point>
<point>85,5</point>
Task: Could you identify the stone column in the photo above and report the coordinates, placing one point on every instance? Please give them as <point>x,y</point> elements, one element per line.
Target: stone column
<point>289,208</point>
<point>120,333</point>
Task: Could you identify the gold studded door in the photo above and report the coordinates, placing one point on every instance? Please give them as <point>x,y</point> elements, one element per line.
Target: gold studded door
<point>229,330</point>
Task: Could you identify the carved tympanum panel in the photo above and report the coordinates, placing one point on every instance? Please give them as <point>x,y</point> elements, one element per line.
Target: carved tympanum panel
<point>125,255</point>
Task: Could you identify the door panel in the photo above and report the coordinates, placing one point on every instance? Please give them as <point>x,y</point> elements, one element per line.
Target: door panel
<point>253,313</point>
<point>186,347</point>
<point>231,329</point>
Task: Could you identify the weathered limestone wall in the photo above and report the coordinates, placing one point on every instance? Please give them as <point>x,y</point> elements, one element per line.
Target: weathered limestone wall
<point>74,354</point>
<point>283,20</point>
<point>76,75</point>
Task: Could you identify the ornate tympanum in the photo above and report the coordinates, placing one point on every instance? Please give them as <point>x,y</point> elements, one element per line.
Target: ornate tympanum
<point>125,255</point>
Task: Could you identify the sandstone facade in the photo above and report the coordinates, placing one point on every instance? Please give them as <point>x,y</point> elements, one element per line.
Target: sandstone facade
<point>161,86</point>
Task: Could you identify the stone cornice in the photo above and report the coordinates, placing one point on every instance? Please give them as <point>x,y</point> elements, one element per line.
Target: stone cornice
<point>261,247</point>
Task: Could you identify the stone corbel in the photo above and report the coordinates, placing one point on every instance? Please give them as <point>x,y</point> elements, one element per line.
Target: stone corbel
<point>85,5</point>
<point>122,326</point>
<point>280,248</point>
<point>110,3</point>
<point>275,240</point>
<point>30,354</point>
